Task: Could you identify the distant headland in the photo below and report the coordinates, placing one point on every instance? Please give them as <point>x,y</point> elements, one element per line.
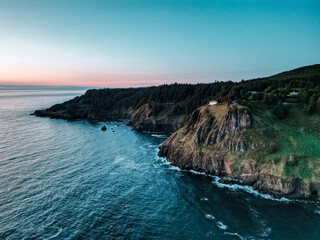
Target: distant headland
<point>262,132</point>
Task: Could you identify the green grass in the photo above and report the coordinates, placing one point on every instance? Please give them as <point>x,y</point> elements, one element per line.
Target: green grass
<point>303,145</point>
<point>300,168</point>
<point>274,142</point>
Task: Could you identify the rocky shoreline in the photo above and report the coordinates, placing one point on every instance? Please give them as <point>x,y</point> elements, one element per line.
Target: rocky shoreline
<point>273,186</point>
<point>204,144</point>
<point>207,144</point>
<point>141,120</point>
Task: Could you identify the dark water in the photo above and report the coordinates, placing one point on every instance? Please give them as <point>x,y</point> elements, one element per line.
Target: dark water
<point>69,180</point>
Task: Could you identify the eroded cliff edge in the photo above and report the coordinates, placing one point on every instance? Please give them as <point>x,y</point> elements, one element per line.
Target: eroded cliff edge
<point>160,119</point>
<point>275,147</point>
<point>150,117</point>
<point>228,141</point>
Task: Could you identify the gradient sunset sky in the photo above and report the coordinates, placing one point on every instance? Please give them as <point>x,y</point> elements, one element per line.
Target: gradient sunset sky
<point>122,43</point>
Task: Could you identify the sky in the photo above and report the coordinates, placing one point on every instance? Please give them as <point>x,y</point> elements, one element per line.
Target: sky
<point>132,43</point>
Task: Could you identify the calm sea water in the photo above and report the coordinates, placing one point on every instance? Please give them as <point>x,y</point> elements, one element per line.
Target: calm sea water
<point>69,180</point>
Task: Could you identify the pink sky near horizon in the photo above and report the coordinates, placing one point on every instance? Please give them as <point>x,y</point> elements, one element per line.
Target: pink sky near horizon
<point>99,79</point>
<point>33,63</point>
<point>125,43</point>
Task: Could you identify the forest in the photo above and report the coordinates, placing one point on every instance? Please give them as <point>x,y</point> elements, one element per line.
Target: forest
<point>296,87</point>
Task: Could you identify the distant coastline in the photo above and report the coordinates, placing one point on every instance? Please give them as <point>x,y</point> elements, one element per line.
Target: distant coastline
<point>42,87</point>
<point>262,132</point>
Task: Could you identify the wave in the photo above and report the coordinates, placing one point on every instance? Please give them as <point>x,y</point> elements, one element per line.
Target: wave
<point>221,225</point>
<point>249,189</point>
<point>164,162</point>
<point>56,234</point>
<point>233,187</point>
<point>159,135</point>
<point>195,172</point>
<point>235,234</point>
<point>209,216</point>
<point>175,168</point>
<point>266,232</point>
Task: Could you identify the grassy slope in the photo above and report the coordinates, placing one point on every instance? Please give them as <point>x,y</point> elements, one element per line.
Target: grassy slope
<point>297,136</point>
<point>274,142</point>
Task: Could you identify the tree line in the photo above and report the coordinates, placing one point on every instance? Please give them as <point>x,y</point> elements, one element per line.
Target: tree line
<point>272,91</point>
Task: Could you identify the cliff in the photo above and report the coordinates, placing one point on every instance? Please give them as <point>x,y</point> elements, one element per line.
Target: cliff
<point>274,147</point>
<point>157,108</point>
<point>169,104</point>
<point>82,108</point>
<point>150,117</point>
<point>228,141</point>
<point>160,118</point>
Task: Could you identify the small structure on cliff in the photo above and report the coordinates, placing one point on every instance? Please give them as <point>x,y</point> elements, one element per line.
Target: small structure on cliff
<point>293,93</point>
<point>213,102</point>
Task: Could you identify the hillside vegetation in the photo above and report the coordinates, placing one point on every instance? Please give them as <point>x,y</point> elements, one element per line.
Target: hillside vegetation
<point>104,104</point>
<point>251,147</point>
<point>289,148</point>
<point>263,132</point>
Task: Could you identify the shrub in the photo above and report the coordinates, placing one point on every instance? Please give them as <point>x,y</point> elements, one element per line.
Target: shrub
<point>280,111</point>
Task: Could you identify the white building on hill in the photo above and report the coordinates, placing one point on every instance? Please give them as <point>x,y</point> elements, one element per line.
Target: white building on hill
<point>293,93</point>
<point>213,102</point>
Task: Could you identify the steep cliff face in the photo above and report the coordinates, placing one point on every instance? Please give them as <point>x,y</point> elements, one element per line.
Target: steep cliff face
<point>216,139</point>
<point>207,137</point>
<point>225,131</point>
<point>163,120</point>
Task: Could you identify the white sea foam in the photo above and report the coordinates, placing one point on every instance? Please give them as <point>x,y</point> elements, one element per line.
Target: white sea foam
<point>232,187</point>
<point>204,199</point>
<point>317,212</point>
<point>56,234</point>
<point>266,232</point>
<point>119,159</point>
<point>159,135</point>
<point>174,168</point>
<point>209,216</point>
<point>165,162</point>
<point>197,173</point>
<point>254,211</point>
<point>249,189</point>
<point>235,234</point>
<point>221,225</point>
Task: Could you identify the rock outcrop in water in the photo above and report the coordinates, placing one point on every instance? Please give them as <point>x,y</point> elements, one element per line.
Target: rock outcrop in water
<point>214,139</point>
<point>144,119</point>
<point>150,117</point>
<point>273,153</point>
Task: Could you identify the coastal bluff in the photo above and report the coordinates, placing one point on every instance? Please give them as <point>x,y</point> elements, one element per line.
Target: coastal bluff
<point>222,140</point>
<point>262,132</point>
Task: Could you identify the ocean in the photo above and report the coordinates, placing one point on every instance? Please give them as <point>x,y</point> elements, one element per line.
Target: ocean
<point>69,180</point>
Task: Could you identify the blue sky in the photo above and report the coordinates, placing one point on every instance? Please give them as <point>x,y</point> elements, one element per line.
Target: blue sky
<point>148,42</point>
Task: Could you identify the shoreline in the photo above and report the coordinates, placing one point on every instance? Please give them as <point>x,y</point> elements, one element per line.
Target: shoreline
<point>220,181</point>
<point>234,186</point>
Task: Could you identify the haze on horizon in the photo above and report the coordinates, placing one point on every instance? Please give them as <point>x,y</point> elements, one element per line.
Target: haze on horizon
<point>130,43</point>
